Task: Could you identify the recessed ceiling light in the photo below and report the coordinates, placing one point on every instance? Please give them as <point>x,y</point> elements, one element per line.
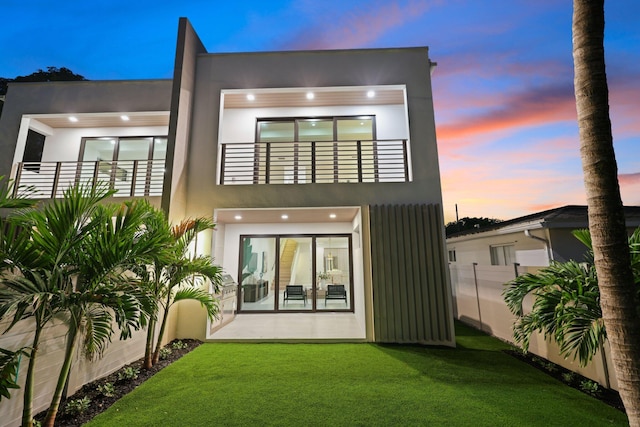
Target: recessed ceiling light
<point>371,94</point>
<point>332,216</point>
<point>251,97</point>
<point>313,124</point>
<point>284,216</point>
<point>124,118</point>
<point>238,217</point>
<point>310,95</point>
<point>73,119</point>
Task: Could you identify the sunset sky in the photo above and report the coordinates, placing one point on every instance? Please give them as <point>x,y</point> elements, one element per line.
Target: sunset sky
<point>503,88</point>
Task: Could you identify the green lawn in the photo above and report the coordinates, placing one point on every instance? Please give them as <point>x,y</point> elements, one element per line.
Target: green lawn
<point>356,384</point>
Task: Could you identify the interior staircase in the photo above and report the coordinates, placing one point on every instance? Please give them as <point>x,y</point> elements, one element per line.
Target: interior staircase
<point>287,253</point>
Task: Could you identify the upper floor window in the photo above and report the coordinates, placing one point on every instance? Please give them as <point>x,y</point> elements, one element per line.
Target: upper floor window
<point>354,128</point>
<point>123,148</point>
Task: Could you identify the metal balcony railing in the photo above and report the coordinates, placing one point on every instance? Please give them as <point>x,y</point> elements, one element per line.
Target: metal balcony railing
<point>314,162</point>
<point>132,178</point>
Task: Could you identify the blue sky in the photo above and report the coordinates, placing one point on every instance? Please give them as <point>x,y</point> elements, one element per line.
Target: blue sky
<point>503,94</point>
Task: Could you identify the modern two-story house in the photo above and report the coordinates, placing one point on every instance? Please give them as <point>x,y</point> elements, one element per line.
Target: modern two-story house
<point>320,169</point>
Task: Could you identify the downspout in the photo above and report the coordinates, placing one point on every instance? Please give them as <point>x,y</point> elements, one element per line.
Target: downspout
<point>545,241</point>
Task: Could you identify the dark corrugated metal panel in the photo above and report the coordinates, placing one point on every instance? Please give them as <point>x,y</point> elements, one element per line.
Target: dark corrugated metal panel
<point>411,296</point>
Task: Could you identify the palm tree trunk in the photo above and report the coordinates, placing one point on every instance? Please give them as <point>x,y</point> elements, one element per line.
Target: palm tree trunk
<point>27,407</point>
<point>148,349</point>
<point>165,316</point>
<point>64,372</point>
<point>606,216</point>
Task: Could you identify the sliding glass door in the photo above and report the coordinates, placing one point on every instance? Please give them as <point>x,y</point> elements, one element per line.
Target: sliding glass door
<point>286,273</point>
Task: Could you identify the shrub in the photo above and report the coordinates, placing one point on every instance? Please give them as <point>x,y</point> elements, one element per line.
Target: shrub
<point>590,387</point>
<point>107,389</point>
<point>128,373</point>
<point>569,377</point>
<point>178,345</point>
<point>78,406</point>
<point>164,353</point>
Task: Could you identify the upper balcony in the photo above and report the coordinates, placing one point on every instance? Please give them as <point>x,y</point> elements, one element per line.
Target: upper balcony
<point>281,162</point>
<point>319,135</point>
<point>127,151</point>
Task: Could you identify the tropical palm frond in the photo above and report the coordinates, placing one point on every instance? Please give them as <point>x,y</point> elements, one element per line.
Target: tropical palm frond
<point>566,308</point>
<point>22,200</point>
<point>205,299</point>
<point>97,331</point>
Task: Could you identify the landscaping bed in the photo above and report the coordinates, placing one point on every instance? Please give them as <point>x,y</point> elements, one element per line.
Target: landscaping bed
<point>95,397</point>
<point>570,378</point>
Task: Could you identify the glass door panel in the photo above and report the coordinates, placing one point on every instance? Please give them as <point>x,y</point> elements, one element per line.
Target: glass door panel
<point>333,270</point>
<point>257,273</point>
<point>130,149</point>
<point>280,158</point>
<point>97,158</point>
<point>349,132</point>
<point>295,274</point>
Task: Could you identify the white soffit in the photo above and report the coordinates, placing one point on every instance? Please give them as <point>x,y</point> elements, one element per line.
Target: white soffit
<point>98,120</point>
<point>297,97</point>
<point>294,215</point>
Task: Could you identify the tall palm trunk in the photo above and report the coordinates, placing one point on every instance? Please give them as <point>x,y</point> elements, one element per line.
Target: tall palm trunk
<point>606,216</point>
<point>165,316</point>
<point>64,371</point>
<point>148,349</point>
<point>27,407</point>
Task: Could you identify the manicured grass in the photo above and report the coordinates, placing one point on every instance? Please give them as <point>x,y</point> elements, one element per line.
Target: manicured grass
<point>356,385</point>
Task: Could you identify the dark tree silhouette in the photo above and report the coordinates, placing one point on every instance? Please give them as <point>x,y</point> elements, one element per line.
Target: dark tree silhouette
<point>468,223</point>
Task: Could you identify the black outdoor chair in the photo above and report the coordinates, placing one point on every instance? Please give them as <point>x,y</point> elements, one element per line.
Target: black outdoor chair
<point>295,292</point>
<point>335,292</point>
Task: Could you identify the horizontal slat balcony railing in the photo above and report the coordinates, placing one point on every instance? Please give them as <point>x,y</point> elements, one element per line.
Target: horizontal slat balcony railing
<point>314,162</point>
<point>132,178</point>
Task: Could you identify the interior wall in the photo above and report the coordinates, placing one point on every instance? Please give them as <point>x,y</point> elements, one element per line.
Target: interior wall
<point>239,124</point>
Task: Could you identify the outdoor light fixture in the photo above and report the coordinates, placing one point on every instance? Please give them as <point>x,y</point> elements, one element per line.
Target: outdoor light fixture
<point>251,97</point>
<point>310,95</point>
<point>238,217</point>
<point>284,216</point>
<point>73,119</point>
<point>371,94</point>
<point>124,118</point>
<point>332,216</point>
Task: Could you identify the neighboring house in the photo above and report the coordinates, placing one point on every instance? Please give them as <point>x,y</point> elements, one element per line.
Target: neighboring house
<point>320,169</point>
<point>530,241</point>
<point>482,260</point>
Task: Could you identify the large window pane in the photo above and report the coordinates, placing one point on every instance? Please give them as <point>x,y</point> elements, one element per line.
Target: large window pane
<point>295,278</point>
<point>333,267</point>
<point>257,273</point>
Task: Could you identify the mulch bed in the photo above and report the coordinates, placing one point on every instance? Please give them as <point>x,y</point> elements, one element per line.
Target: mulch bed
<point>99,402</point>
<point>572,379</point>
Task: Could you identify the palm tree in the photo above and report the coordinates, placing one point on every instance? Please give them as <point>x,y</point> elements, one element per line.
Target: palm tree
<point>173,277</point>
<point>100,289</point>
<point>69,258</point>
<point>566,303</point>
<point>619,299</point>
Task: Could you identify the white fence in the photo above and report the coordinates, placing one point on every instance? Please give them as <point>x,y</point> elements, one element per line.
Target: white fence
<point>49,360</point>
<point>477,299</point>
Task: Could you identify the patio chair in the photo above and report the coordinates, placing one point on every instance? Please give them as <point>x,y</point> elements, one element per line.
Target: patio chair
<point>335,292</point>
<point>295,292</point>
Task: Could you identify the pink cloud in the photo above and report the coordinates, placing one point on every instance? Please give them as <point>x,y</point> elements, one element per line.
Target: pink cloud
<point>629,178</point>
<point>357,27</point>
<point>531,108</point>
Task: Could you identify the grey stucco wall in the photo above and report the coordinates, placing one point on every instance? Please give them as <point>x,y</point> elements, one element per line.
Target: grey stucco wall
<point>75,98</point>
<point>215,72</point>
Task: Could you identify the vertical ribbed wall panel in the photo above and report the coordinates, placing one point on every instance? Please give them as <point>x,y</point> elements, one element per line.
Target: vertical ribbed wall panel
<point>411,295</point>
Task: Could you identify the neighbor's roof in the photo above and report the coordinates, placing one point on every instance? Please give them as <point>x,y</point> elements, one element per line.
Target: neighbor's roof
<point>570,216</point>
